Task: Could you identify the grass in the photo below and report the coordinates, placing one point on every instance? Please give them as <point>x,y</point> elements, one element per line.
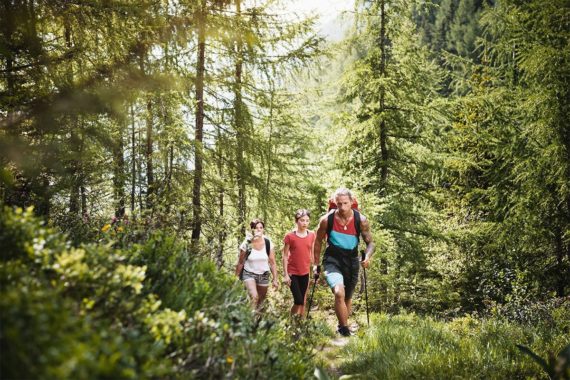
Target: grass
<point>412,347</point>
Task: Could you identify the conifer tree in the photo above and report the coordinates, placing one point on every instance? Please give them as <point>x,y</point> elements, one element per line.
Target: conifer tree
<point>391,90</point>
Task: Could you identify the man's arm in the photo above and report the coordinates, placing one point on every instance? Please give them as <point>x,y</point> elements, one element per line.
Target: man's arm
<point>367,237</point>
<point>320,235</point>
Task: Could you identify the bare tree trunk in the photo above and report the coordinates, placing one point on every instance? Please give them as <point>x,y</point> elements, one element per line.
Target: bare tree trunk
<point>119,174</point>
<point>221,191</point>
<point>140,171</point>
<point>74,170</point>
<point>198,133</point>
<point>82,177</point>
<point>240,129</point>
<point>265,196</point>
<point>170,167</point>
<point>148,156</point>
<point>383,128</point>
<point>133,160</point>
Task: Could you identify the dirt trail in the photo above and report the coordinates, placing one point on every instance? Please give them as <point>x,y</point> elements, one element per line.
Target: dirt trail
<point>330,354</point>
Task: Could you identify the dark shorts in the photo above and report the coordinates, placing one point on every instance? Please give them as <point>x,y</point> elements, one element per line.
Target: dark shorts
<point>341,268</point>
<point>299,285</point>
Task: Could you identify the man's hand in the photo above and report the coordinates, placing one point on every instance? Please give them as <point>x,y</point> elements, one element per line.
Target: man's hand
<point>365,260</point>
<point>316,272</point>
<point>287,280</point>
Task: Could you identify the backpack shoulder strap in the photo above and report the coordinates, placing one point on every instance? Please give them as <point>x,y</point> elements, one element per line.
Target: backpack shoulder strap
<point>267,246</point>
<point>357,221</point>
<point>247,252</point>
<point>330,221</point>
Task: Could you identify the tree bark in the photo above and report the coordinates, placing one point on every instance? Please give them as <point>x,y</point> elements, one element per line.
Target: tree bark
<point>133,160</point>
<point>148,155</point>
<point>221,192</point>
<point>74,164</point>
<point>240,129</point>
<point>265,196</point>
<point>383,128</point>
<point>199,131</point>
<point>119,174</point>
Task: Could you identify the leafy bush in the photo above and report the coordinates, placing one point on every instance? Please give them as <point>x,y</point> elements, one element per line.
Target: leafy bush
<point>94,311</point>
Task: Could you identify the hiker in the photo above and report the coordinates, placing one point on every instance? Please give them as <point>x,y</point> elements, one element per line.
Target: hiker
<point>297,260</point>
<point>256,259</point>
<point>342,227</point>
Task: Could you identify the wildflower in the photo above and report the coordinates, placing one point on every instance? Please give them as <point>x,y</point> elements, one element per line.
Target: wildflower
<point>230,360</point>
<point>106,228</point>
<point>120,229</point>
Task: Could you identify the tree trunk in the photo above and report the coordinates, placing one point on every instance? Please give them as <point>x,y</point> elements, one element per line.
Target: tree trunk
<point>140,169</point>
<point>148,156</point>
<point>198,134</point>
<point>265,196</point>
<point>133,160</point>
<point>221,191</point>
<point>383,128</point>
<point>240,129</point>
<point>74,164</point>
<point>119,174</point>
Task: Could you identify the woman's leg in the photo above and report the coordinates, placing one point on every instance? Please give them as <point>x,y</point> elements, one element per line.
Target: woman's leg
<point>251,287</point>
<point>299,291</point>
<point>262,293</point>
<point>304,285</point>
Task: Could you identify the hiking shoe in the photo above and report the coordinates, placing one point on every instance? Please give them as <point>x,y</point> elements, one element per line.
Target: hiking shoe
<point>344,331</point>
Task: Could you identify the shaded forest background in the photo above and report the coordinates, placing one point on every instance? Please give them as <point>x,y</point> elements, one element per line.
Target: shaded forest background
<point>147,134</point>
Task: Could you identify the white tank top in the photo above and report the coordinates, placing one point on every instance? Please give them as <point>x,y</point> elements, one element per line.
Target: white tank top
<point>257,262</point>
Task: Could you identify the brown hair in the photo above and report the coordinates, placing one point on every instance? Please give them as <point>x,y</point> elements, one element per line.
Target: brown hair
<point>255,222</point>
<point>301,213</point>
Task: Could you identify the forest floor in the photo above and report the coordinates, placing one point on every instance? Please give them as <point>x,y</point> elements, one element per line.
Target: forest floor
<point>330,354</point>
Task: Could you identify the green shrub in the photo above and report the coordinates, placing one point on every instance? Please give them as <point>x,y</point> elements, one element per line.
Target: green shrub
<point>145,311</point>
<point>69,312</point>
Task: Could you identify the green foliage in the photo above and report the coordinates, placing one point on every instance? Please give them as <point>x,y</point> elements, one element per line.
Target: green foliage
<point>69,312</point>
<point>89,312</point>
<point>390,151</point>
<point>557,367</point>
<point>508,163</point>
<point>406,346</point>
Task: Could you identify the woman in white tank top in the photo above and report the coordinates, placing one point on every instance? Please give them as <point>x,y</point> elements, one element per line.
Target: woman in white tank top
<point>253,268</point>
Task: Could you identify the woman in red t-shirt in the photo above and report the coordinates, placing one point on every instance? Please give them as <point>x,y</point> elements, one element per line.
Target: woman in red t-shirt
<point>297,260</point>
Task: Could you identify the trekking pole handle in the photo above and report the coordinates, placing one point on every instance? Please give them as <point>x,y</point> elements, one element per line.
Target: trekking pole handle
<point>363,255</point>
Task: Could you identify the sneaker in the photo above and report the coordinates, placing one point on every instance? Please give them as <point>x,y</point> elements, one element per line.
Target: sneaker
<point>344,331</point>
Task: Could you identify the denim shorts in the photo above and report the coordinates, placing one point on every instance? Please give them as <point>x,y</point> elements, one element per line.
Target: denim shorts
<point>260,279</point>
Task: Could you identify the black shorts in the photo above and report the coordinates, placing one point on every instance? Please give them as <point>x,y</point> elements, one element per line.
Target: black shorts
<point>298,287</point>
<point>341,267</point>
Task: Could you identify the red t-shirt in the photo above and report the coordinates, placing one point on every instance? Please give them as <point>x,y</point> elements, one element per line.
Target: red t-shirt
<point>300,251</point>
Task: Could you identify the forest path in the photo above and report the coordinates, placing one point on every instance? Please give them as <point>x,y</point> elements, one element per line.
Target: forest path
<point>330,354</point>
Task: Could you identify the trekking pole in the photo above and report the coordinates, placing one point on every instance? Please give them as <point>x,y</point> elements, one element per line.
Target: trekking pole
<point>311,297</point>
<point>365,291</point>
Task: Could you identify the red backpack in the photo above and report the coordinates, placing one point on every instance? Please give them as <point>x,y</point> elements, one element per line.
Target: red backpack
<point>332,204</point>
